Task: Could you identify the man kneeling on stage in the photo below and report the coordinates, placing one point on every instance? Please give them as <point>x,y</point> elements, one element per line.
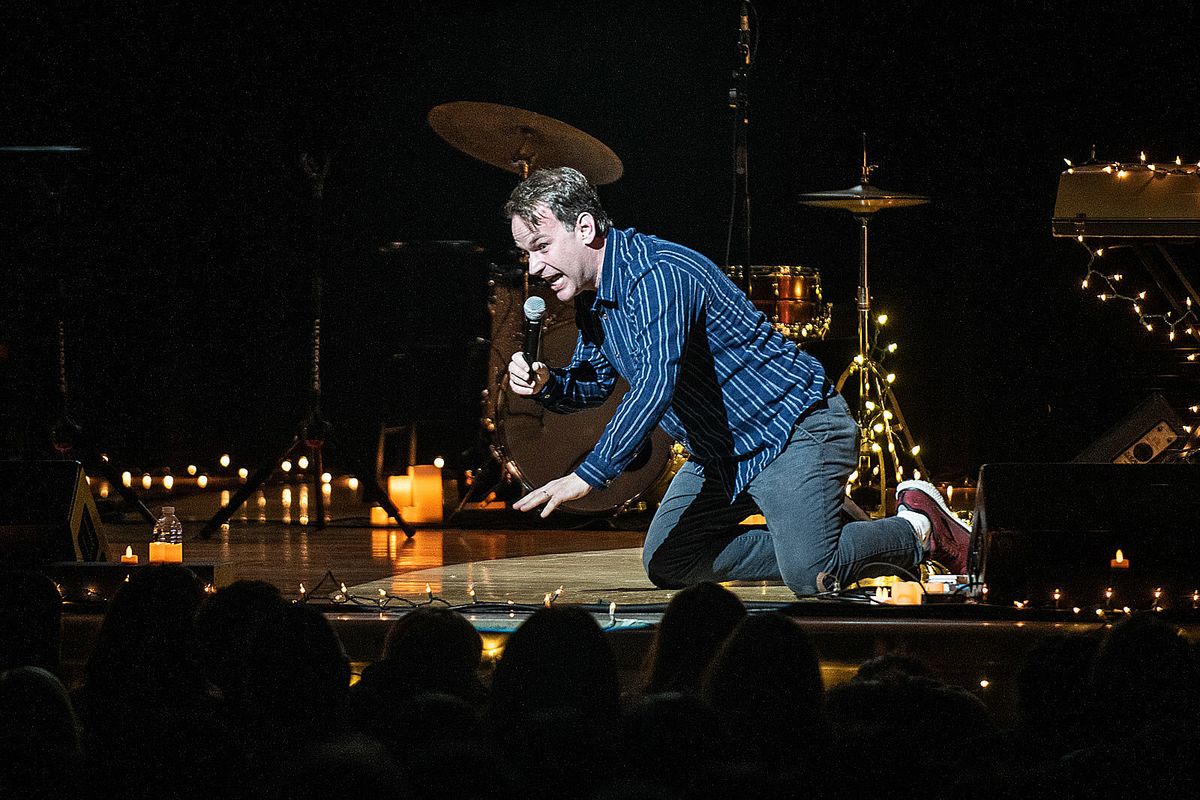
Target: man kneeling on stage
<point>766,430</point>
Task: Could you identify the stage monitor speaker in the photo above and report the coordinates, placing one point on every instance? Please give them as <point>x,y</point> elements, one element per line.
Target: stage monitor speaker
<point>1146,435</point>
<point>1042,527</point>
<point>47,514</point>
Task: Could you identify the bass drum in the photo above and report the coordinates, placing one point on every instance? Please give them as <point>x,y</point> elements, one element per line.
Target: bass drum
<point>536,445</point>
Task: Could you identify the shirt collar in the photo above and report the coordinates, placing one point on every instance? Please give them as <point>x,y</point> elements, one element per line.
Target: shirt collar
<point>616,255</point>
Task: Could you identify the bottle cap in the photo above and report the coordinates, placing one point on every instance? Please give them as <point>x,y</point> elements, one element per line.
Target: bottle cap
<point>166,510</point>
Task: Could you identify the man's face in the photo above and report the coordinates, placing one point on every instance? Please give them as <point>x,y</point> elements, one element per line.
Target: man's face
<point>564,258</point>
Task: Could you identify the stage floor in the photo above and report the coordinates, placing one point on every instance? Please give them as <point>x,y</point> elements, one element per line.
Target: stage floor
<point>505,556</point>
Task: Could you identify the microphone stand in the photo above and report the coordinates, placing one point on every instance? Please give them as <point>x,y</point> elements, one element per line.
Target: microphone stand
<point>739,103</point>
<point>314,431</point>
<point>53,169</point>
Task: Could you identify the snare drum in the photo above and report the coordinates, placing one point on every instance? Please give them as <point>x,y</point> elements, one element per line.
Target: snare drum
<point>536,445</point>
<point>790,296</point>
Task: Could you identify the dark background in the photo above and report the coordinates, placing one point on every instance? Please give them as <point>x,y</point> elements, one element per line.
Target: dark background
<point>188,245</point>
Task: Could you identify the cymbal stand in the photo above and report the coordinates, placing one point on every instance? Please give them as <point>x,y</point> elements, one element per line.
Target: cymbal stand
<point>877,411</point>
<point>66,435</point>
<point>314,431</point>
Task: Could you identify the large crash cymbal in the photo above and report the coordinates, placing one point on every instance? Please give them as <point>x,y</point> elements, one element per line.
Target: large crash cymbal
<point>517,140</point>
<point>862,199</point>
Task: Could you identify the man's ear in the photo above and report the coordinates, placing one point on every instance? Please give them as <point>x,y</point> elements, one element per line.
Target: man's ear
<point>585,228</point>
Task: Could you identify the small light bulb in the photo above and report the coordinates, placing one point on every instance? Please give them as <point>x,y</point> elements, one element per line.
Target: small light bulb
<point>168,482</point>
<point>225,461</point>
<point>916,450</point>
<point>202,481</point>
<point>1143,156</point>
<point>882,319</point>
<point>126,479</point>
<point>302,462</point>
<point>285,465</point>
<point>147,481</point>
<point>243,473</point>
<point>890,377</point>
<point>1178,161</point>
<point>326,477</point>
<point>1067,161</point>
<point>191,469</point>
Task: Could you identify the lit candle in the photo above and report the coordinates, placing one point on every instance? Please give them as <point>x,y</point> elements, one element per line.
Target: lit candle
<point>881,594</point>
<point>129,557</point>
<point>1119,562</point>
<point>166,552</point>
<point>906,593</point>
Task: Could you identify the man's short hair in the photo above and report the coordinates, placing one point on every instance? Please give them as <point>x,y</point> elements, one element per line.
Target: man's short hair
<point>565,191</point>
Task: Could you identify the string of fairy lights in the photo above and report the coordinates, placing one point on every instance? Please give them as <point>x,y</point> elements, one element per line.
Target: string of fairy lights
<point>882,430</point>
<point>384,600</point>
<point>1109,283</point>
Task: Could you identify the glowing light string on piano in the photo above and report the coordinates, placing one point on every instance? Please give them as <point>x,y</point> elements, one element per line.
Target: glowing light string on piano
<point>1188,320</point>
<point>1096,278</point>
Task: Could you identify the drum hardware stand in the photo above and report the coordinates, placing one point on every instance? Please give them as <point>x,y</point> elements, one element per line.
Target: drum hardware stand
<point>314,431</point>
<point>877,411</point>
<point>66,434</point>
<point>739,103</point>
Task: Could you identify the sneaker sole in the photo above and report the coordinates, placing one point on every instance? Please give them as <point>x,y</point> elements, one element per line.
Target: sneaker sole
<point>927,488</point>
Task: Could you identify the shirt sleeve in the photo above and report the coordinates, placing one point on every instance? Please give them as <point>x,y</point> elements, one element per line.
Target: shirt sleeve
<point>666,302</point>
<point>585,382</point>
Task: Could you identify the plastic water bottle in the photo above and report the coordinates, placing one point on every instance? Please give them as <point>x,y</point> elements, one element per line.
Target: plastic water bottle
<point>168,529</point>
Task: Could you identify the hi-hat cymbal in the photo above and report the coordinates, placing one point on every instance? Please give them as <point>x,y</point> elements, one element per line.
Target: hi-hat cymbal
<point>515,140</point>
<point>862,199</point>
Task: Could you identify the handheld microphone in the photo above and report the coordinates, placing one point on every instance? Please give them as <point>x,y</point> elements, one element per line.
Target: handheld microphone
<point>535,309</point>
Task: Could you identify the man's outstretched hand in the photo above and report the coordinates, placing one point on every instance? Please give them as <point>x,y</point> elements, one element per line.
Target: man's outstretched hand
<point>553,494</point>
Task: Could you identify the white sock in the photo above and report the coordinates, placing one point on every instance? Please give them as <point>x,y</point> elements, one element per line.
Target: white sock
<point>921,524</point>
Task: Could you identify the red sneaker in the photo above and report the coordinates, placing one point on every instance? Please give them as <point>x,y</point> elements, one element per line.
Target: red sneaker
<point>949,537</point>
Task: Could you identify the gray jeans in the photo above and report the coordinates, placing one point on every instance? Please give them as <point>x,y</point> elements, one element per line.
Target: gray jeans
<point>695,535</point>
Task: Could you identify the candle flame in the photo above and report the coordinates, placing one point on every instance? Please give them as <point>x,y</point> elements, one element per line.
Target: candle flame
<point>1120,555</point>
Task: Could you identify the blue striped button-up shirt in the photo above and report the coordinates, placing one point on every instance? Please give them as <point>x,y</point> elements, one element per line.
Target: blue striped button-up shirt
<point>700,360</point>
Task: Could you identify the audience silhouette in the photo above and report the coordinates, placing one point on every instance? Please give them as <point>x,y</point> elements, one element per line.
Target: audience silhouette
<point>246,695</point>
<point>694,625</point>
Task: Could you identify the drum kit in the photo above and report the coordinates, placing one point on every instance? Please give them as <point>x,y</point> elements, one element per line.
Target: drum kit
<point>535,446</point>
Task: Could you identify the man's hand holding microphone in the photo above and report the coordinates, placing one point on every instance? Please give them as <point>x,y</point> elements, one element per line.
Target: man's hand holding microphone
<point>526,377</point>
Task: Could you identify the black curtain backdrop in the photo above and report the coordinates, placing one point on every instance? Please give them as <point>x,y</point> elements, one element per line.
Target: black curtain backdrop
<point>187,255</point>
